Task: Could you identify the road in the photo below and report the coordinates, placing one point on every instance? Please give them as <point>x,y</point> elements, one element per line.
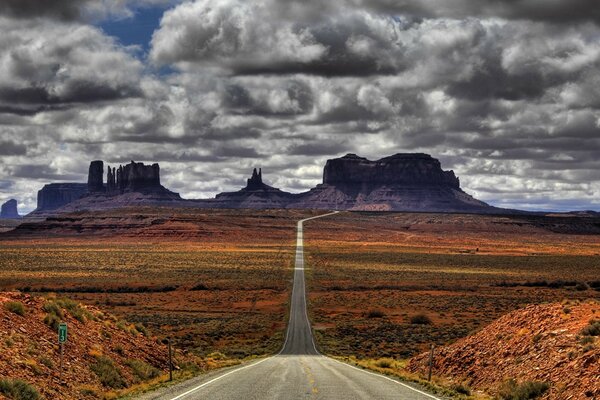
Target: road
<point>299,371</point>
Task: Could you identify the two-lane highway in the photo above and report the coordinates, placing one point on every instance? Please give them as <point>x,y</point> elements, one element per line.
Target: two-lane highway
<point>299,371</point>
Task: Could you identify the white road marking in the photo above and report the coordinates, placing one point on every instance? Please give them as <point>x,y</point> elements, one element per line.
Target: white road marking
<point>386,377</point>
<point>217,378</point>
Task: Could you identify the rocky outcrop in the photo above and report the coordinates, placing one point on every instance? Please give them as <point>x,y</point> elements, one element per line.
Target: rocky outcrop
<point>399,169</point>
<point>55,195</point>
<point>133,177</point>
<point>539,343</point>
<point>256,195</point>
<point>9,210</point>
<point>95,173</point>
<point>402,182</point>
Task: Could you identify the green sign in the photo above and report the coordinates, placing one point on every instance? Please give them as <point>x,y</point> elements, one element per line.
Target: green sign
<point>62,333</point>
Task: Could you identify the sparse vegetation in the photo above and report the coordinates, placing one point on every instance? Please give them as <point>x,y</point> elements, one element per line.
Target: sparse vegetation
<point>385,363</point>
<point>462,389</point>
<point>511,390</point>
<point>593,329</point>
<point>17,389</point>
<point>142,370</point>
<point>15,307</point>
<point>375,314</point>
<point>420,319</point>
<point>108,373</point>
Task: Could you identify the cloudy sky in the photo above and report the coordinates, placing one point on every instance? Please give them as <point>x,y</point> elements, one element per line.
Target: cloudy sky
<point>504,92</point>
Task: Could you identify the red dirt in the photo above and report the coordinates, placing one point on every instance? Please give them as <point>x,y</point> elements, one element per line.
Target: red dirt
<point>538,343</point>
<point>29,349</point>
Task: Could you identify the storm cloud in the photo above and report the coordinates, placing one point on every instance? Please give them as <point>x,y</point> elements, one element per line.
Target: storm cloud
<point>506,93</point>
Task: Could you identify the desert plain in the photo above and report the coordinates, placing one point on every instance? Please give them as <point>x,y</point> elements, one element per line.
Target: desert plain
<point>380,285</point>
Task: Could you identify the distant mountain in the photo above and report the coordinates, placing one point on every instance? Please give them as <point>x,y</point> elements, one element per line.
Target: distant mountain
<point>412,182</point>
<point>402,182</point>
<point>9,210</point>
<point>128,185</point>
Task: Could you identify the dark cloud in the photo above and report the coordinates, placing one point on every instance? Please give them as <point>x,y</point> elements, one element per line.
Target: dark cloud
<point>10,148</point>
<point>513,106</point>
<point>61,9</point>
<point>556,11</point>
<point>318,149</point>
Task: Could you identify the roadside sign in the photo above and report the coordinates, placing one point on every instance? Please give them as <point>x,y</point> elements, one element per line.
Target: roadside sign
<point>62,333</point>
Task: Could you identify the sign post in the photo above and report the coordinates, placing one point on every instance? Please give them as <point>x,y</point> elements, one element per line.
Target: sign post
<point>430,362</point>
<point>62,338</point>
<point>170,362</point>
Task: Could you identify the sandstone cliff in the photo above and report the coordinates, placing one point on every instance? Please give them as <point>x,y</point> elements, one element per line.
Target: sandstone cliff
<point>55,195</point>
<point>549,343</point>
<point>256,194</point>
<point>9,210</point>
<point>402,182</point>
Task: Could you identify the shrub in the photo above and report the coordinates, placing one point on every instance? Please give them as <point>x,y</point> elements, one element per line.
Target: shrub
<point>462,389</point>
<point>200,286</point>
<point>420,319</point>
<point>108,373</point>
<point>17,389</point>
<point>142,370</point>
<point>54,314</point>
<point>511,390</point>
<point>52,320</point>
<point>217,356</point>
<point>385,363</point>
<point>47,362</point>
<point>593,329</point>
<point>141,329</point>
<point>375,314</point>
<point>15,307</point>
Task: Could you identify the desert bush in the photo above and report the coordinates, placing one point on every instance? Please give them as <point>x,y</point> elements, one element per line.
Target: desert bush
<point>200,286</point>
<point>588,347</point>
<point>593,329</point>
<point>385,363</point>
<point>420,319</point>
<point>375,314</point>
<point>462,389</point>
<point>47,362</point>
<point>15,307</point>
<point>511,390</point>
<point>88,391</point>
<point>217,356</point>
<point>108,373</point>
<point>142,370</point>
<point>52,320</point>
<point>141,329</point>
<point>17,389</point>
<point>54,314</point>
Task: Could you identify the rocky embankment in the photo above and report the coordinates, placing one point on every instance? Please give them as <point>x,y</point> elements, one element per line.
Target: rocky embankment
<point>551,345</point>
<point>102,353</point>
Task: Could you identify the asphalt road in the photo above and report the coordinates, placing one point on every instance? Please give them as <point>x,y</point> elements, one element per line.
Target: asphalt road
<point>299,371</point>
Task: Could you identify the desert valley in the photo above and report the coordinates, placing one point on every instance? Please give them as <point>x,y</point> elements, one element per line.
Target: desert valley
<point>129,259</point>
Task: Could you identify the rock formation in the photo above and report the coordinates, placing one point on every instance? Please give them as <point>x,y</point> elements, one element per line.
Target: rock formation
<point>255,182</point>
<point>133,177</point>
<point>256,194</point>
<point>399,169</point>
<point>402,182</point>
<point>96,171</point>
<point>9,209</point>
<point>55,195</point>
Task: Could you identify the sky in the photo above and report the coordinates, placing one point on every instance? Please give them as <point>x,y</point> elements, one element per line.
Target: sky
<point>504,92</point>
